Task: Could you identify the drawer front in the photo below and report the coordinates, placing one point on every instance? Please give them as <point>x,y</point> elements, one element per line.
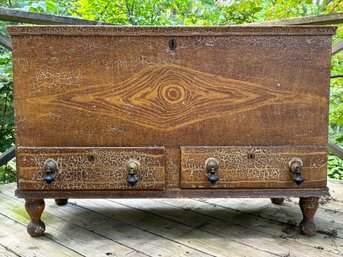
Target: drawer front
<point>252,167</point>
<point>91,168</point>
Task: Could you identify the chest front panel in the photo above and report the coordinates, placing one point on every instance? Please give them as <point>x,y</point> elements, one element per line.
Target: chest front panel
<point>178,89</point>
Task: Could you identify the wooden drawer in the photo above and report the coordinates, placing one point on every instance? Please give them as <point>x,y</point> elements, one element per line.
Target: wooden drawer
<point>91,168</point>
<point>252,167</point>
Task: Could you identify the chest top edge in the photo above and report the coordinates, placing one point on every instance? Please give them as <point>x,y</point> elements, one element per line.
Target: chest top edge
<point>105,30</point>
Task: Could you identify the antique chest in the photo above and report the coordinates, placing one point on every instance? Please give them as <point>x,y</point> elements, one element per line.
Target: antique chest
<point>115,111</point>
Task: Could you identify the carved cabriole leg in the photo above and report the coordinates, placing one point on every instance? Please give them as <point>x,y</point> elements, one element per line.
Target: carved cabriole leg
<point>61,202</point>
<point>309,206</point>
<point>34,208</point>
<point>278,201</point>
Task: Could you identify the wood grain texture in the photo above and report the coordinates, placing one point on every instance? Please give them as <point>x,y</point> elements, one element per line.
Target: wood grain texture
<point>253,222</point>
<point>91,168</point>
<point>179,193</point>
<point>152,31</point>
<point>268,168</point>
<point>103,86</point>
<point>35,208</point>
<point>167,97</point>
<point>74,90</point>
<point>308,206</point>
<point>19,16</point>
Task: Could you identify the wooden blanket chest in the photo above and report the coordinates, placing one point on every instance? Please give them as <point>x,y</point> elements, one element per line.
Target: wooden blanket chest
<point>115,111</point>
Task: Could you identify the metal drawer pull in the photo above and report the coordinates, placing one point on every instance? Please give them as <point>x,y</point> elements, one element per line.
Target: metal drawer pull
<point>212,167</point>
<point>132,168</point>
<point>296,166</point>
<point>50,168</point>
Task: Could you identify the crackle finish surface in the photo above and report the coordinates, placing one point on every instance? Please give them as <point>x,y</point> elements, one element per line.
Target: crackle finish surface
<point>220,92</point>
<point>244,167</point>
<point>87,168</point>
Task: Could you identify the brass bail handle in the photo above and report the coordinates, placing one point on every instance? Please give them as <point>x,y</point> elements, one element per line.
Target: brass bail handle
<point>50,169</point>
<point>211,165</point>
<point>296,167</point>
<point>132,168</point>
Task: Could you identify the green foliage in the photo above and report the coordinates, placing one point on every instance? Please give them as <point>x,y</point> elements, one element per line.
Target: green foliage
<point>58,7</point>
<point>40,6</point>
<point>335,167</point>
<point>7,175</point>
<point>6,100</point>
<point>335,164</point>
<point>197,12</point>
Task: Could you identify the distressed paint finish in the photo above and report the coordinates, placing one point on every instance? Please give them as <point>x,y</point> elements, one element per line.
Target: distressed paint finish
<point>252,167</point>
<point>91,168</point>
<point>171,30</point>
<point>35,208</point>
<point>168,97</point>
<point>179,193</point>
<point>119,92</point>
<point>80,86</point>
<point>69,80</point>
<point>308,206</point>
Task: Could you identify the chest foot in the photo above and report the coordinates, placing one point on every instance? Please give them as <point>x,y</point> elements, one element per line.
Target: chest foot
<point>308,206</point>
<point>34,208</point>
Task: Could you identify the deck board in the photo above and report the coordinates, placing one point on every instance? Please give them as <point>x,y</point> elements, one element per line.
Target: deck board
<point>172,227</point>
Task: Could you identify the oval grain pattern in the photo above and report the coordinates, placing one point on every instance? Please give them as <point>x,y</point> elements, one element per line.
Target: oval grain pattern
<point>213,90</point>
<point>167,97</point>
<point>123,87</point>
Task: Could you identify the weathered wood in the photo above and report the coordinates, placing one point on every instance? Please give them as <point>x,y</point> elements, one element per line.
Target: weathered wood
<point>335,18</point>
<point>89,228</point>
<point>166,114</point>
<point>79,239</point>
<point>335,203</point>
<point>247,214</point>
<point>8,155</point>
<point>11,236</point>
<point>88,91</point>
<point>337,47</point>
<point>268,164</point>
<point>79,167</point>
<point>336,150</point>
<point>235,227</point>
<point>5,42</point>
<point>324,19</point>
<point>336,76</point>
<point>6,252</point>
<point>34,208</point>
<point>7,14</point>
<point>282,213</point>
<point>205,242</point>
<point>144,240</point>
<point>103,234</point>
<point>176,193</point>
<point>308,207</point>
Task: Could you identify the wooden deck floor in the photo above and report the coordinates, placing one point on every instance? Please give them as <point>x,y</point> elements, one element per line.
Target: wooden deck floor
<point>171,227</point>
